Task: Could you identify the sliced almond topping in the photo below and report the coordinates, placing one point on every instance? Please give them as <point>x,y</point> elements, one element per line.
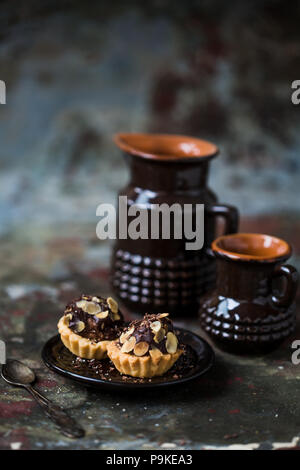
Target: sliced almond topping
<point>80,326</point>
<point>116,317</point>
<point>102,314</point>
<point>68,317</point>
<point>160,335</point>
<point>163,315</point>
<point>141,348</point>
<point>95,299</point>
<point>123,338</point>
<point>112,305</point>
<point>129,332</point>
<point>155,353</point>
<point>92,308</point>
<point>81,304</point>
<point>126,334</point>
<point>128,345</point>
<point>155,326</point>
<point>89,307</point>
<point>171,343</point>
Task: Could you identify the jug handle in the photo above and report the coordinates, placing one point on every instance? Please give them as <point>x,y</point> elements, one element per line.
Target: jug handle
<point>230,214</point>
<point>291,275</point>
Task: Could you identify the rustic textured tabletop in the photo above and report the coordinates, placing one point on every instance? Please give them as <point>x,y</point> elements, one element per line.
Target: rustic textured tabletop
<point>78,72</point>
<point>244,402</point>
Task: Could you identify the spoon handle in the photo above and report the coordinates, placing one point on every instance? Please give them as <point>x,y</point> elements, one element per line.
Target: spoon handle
<point>66,424</point>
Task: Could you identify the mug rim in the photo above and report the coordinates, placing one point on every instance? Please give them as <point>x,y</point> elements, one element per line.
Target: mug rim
<point>284,254</point>
<point>202,150</point>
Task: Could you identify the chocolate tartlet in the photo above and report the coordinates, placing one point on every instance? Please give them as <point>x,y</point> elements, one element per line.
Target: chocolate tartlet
<point>89,324</point>
<point>147,348</point>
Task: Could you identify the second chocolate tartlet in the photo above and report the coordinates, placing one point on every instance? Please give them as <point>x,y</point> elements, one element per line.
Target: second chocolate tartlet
<point>147,348</point>
<point>89,324</point>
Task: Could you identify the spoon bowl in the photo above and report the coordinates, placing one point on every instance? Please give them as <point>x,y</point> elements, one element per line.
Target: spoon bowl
<point>17,373</point>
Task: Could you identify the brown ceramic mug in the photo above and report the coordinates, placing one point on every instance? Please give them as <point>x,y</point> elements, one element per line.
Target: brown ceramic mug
<point>161,275</point>
<point>245,313</point>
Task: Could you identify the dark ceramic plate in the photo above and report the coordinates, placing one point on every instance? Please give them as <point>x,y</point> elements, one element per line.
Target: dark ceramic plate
<point>197,359</point>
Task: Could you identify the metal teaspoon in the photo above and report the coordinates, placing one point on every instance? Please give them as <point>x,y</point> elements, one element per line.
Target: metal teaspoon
<point>16,373</point>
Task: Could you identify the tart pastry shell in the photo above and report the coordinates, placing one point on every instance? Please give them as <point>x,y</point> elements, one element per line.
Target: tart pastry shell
<point>144,366</point>
<point>81,347</point>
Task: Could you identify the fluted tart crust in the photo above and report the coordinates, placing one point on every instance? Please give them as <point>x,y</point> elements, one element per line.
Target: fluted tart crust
<point>89,324</point>
<point>81,347</point>
<point>147,348</point>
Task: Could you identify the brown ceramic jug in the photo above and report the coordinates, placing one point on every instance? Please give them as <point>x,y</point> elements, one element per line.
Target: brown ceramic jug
<point>161,275</point>
<point>247,313</point>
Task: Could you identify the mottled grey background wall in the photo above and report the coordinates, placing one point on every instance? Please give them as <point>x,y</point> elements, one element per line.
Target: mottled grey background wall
<point>77,72</point>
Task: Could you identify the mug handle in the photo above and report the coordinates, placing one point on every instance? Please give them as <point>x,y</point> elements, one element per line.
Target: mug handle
<point>291,275</point>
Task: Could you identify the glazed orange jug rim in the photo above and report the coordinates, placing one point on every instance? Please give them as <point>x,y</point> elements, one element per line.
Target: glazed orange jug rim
<point>166,147</point>
<point>251,247</point>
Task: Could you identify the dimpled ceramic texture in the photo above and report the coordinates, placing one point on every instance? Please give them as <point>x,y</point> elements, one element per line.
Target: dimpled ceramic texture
<point>161,275</point>
<point>246,313</point>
